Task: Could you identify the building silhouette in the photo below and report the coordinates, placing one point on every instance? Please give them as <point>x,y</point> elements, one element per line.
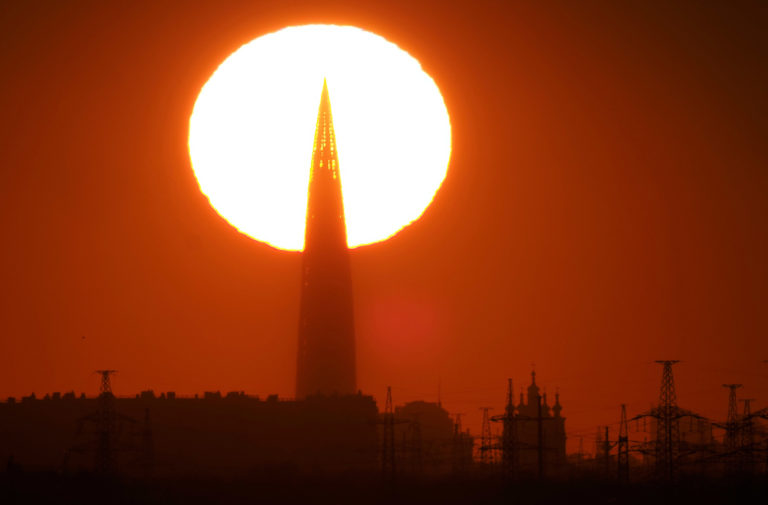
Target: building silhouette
<point>426,440</point>
<point>328,427</point>
<point>326,350</point>
<point>539,433</point>
<point>211,434</point>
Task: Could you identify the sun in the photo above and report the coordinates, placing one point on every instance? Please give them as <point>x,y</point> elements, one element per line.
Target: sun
<point>252,129</point>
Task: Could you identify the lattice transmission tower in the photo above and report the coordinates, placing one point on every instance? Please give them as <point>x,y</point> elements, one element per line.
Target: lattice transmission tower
<point>110,437</point>
<point>487,447</point>
<point>509,442</point>
<point>605,451</point>
<point>106,427</point>
<point>731,456</point>
<point>623,447</point>
<point>388,439</point>
<point>732,421</point>
<point>747,438</point>
<point>667,423</point>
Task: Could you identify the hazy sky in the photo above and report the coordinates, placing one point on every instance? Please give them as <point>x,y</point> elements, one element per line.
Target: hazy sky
<point>605,207</point>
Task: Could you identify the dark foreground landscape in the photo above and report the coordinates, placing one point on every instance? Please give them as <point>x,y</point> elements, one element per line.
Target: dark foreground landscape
<point>18,487</point>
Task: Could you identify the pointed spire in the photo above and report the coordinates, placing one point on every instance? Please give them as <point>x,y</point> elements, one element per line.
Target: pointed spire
<point>324,108</point>
<point>533,390</point>
<point>545,410</point>
<point>324,153</point>
<point>325,98</point>
<point>326,357</point>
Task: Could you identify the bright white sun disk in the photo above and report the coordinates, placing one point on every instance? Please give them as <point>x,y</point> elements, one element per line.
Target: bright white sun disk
<point>252,129</point>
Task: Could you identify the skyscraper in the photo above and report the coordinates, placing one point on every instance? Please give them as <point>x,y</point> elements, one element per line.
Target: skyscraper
<point>326,357</point>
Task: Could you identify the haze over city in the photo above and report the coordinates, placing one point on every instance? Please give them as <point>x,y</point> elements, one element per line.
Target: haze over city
<point>567,192</point>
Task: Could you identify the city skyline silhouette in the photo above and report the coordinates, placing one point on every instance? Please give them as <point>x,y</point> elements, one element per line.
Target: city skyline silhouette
<point>603,211</point>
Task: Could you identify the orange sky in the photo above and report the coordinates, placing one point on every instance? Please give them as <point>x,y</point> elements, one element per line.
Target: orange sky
<point>605,207</point>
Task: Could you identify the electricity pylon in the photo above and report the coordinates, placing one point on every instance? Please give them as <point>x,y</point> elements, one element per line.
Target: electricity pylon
<point>732,427</point>
<point>509,449</point>
<point>603,446</point>
<point>623,447</point>
<point>667,448</point>
<point>388,451</point>
<point>388,440</point>
<point>668,427</point>
<point>103,434</point>
<point>747,438</point>
<point>106,428</point>
<point>606,450</point>
<point>487,447</point>
<point>516,445</point>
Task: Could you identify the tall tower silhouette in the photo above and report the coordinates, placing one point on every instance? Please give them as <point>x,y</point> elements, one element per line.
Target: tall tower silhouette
<point>326,358</point>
